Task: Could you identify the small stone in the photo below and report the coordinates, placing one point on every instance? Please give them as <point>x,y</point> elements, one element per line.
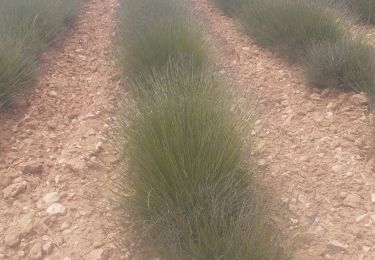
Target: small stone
<point>99,146</point>
<point>33,168</point>
<point>315,96</point>
<point>352,200</point>
<point>64,226</point>
<point>51,125</point>
<point>335,246</point>
<point>331,105</point>
<point>48,199</point>
<point>262,162</point>
<point>98,244</point>
<point>12,237</point>
<point>56,209</point>
<point>52,93</point>
<point>15,189</point>
<point>366,249</point>
<point>358,99</point>
<point>327,256</point>
<point>294,221</point>
<point>336,168</point>
<point>47,247</point>
<point>317,117</point>
<point>36,251</point>
<point>96,254</point>
<point>361,218</point>
<point>343,194</point>
<point>373,198</point>
<point>18,179</point>
<point>83,213</point>
<point>67,232</point>
<point>329,115</point>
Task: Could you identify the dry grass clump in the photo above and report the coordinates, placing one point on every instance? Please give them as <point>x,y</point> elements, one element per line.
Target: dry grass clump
<point>26,28</point>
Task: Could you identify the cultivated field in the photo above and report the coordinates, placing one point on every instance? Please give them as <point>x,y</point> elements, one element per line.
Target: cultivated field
<point>199,129</point>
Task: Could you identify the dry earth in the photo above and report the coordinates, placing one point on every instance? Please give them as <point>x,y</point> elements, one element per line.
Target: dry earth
<point>316,146</point>
<point>54,153</point>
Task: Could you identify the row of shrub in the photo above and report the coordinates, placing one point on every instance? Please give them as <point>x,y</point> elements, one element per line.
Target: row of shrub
<point>311,32</point>
<point>183,180</point>
<point>26,28</point>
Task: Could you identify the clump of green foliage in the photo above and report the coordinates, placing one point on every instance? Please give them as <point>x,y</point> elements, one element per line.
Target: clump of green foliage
<point>27,27</point>
<point>182,178</point>
<point>289,27</point>
<point>365,9</point>
<point>348,63</point>
<point>186,184</point>
<point>17,69</point>
<point>229,7</point>
<point>152,32</point>
<point>315,33</point>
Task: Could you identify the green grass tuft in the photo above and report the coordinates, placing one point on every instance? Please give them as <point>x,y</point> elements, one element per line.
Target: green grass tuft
<point>349,63</point>
<point>182,177</point>
<point>365,9</point>
<point>17,69</point>
<point>153,32</point>
<point>229,7</point>
<point>314,32</point>
<point>289,27</point>
<point>186,185</point>
<point>27,27</point>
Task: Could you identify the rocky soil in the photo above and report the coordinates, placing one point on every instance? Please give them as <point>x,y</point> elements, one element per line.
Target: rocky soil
<point>315,146</point>
<point>54,151</point>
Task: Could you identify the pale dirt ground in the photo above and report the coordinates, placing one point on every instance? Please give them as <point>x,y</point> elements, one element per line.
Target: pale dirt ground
<point>316,148</point>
